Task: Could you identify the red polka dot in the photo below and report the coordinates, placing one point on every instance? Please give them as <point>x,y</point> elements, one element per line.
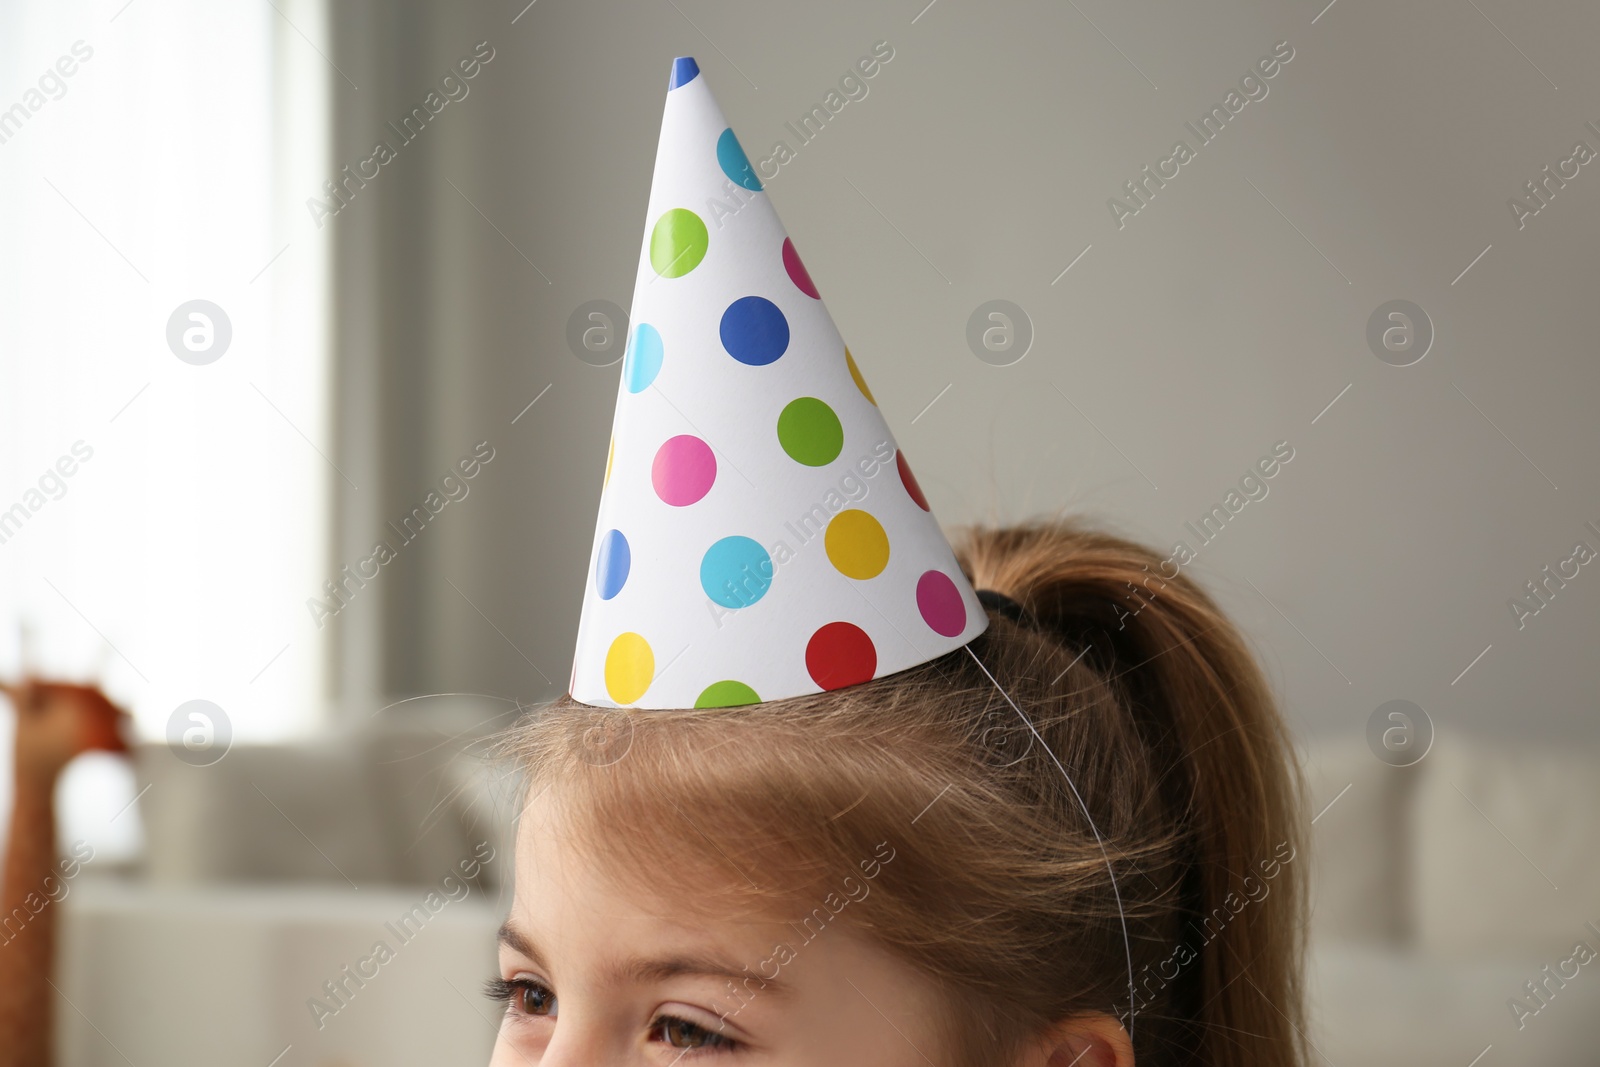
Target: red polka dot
<point>940,603</point>
<point>683,470</point>
<point>797,271</point>
<point>840,654</point>
<point>910,480</point>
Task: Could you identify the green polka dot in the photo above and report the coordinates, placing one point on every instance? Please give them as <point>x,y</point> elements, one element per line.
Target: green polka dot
<point>678,243</point>
<point>726,694</point>
<point>810,432</point>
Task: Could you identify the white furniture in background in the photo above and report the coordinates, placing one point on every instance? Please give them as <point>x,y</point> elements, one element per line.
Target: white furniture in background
<point>1440,890</point>
<point>165,976</point>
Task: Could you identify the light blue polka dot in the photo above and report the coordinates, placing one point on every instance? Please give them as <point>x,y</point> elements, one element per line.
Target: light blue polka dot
<point>736,572</point>
<point>643,359</point>
<point>612,564</point>
<point>735,164</point>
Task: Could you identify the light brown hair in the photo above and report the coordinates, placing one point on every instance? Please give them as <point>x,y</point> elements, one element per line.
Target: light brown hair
<point>1130,680</point>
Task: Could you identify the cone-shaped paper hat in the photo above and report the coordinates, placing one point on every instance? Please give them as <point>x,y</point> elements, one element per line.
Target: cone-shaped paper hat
<point>760,535</point>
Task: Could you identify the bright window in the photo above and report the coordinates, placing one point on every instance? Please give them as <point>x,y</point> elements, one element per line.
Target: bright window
<point>163,519</point>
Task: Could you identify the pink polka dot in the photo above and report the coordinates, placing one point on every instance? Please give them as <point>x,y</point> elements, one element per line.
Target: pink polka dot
<point>797,271</point>
<point>683,470</point>
<point>940,603</point>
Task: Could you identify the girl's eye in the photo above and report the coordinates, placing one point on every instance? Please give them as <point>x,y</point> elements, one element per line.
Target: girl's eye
<point>534,999</point>
<point>681,1033</point>
<point>523,995</point>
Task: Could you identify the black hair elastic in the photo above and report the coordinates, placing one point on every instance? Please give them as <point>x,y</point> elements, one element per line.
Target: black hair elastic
<point>998,601</point>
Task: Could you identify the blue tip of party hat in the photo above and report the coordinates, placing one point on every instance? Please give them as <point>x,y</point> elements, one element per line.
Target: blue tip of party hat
<point>684,71</point>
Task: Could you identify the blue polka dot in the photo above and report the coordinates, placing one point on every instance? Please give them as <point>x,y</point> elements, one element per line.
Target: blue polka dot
<point>643,358</point>
<point>611,565</point>
<point>754,331</point>
<point>736,572</point>
<point>684,71</point>
<point>735,164</point>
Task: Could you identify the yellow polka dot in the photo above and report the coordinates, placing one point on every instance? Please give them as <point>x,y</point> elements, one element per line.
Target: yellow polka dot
<point>630,668</point>
<point>857,544</point>
<point>861,383</point>
<point>610,458</point>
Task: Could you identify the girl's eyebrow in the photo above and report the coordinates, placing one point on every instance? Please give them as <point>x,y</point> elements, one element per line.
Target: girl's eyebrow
<point>640,969</point>
<point>513,939</point>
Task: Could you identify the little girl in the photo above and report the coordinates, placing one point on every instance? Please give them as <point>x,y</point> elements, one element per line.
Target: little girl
<point>813,800</point>
<point>899,872</point>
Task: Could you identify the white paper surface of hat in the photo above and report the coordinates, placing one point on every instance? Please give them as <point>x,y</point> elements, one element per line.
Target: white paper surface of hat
<point>760,535</point>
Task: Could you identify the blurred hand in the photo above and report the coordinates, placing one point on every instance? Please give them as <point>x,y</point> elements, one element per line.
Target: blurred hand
<point>56,721</point>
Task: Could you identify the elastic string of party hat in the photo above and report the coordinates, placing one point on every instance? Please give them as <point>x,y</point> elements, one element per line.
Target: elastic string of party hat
<point>1122,915</point>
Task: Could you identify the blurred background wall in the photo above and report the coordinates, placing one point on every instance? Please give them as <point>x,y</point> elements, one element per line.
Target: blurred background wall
<point>1157,343</point>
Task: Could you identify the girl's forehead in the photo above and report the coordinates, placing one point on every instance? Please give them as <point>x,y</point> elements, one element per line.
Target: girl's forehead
<point>565,884</point>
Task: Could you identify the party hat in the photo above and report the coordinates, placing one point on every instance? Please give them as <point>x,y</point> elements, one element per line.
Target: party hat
<point>760,534</point>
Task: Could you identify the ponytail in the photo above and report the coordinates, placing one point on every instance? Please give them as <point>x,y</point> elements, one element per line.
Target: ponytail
<point>1226,775</point>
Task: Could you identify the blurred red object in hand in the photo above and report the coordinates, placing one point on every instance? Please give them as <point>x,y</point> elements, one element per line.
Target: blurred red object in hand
<point>58,720</point>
